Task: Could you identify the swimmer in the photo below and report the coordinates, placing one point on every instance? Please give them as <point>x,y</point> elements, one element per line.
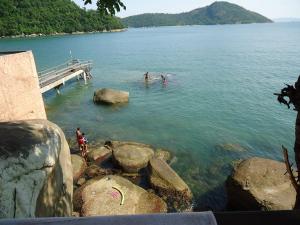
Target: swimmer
<point>146,76</point>
<point>164,80</point>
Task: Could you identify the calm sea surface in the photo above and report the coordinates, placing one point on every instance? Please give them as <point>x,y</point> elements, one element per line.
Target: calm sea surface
<point>221,81</point>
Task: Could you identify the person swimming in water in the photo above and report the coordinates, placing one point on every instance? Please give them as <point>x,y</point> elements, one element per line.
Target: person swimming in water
<point>164,79</point>
<point>147,76</point>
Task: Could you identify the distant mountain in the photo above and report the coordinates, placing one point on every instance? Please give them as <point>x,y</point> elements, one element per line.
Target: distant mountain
<point>18,17</point>
<point>216,13</point>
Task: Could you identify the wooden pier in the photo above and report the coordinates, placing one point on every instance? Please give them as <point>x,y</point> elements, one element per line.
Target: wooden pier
<point>55,77</point>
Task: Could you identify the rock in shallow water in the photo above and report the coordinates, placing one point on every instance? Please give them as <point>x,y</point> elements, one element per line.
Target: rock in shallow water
<point>114,195</point>
<point>132,156</point>
<point>110,96</point>
<point>35,170</point>
<point>260,184</point>
<point>231,147</point>
<point>169,185</point>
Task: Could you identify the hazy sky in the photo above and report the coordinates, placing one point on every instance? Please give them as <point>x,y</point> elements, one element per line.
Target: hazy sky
<point>270,8</point>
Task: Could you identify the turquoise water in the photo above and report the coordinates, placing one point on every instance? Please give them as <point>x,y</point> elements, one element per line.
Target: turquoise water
<point>220,90</point>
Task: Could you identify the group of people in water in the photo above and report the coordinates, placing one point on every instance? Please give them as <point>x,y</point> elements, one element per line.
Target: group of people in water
<point>82,143</point>
<point>163,78</point>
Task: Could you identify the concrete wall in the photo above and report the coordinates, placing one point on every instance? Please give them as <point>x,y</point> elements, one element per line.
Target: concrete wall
<point>20,96</point>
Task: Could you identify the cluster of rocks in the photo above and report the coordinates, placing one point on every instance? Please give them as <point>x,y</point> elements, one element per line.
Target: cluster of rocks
<point>36,178</point>
<point>127,178</point>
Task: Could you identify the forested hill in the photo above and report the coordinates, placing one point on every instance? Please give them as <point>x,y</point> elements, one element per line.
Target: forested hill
<point>216,13</point>
<point>19,17</point>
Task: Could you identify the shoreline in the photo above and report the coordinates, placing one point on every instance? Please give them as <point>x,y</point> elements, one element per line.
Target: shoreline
<point>63,34</point>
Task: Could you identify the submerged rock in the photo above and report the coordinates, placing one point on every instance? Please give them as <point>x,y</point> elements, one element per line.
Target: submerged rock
<point>132,156</point>
<point>260,184</point>
<point>114,195</point>
<point>78,166</point>
<point>110,96</point>
<point>35,170</point>
<point>231,147</point>
<point>166,182</point>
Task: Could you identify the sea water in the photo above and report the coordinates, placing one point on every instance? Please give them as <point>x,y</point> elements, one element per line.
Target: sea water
<point>219,91</point>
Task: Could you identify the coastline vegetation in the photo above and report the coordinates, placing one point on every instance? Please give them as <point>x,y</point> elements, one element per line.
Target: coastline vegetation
<point>45,17</point>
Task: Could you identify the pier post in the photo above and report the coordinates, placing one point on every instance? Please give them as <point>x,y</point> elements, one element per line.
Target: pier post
<point>84,77</point>
<point>57,90</point>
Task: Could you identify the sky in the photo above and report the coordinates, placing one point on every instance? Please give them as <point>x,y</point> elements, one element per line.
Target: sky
<point>270,8</point>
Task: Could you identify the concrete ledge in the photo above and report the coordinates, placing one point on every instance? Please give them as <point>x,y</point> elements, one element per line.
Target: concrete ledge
<point>223,218</point>
<point>205,218</point>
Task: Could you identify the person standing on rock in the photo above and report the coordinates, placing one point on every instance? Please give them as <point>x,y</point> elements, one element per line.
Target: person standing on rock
<point>78,136</point>
<point>83,145</point>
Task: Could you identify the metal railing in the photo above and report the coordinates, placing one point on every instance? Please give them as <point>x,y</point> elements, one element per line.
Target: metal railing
<point>60,71</point>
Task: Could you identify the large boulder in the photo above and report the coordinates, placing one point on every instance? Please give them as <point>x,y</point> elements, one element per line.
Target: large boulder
<point>99,155</point>
<point>132,156</point>
<point>260,184</point>
<point>114,195</point>
<point>110,96</point>
<point>78,166</point>
<point>35,170</point>
<point>167,183</point>
<point>95,171</point>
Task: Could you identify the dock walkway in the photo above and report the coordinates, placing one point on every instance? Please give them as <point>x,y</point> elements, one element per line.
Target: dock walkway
<point>55,77</point>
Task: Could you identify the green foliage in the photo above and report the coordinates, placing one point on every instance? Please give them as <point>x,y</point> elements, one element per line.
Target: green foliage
<point>216,13</point>
<point>108,7</point>
<point>19,17</point>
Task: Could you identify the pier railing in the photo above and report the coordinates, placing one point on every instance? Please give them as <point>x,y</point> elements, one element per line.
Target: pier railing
<point>59,71</point>
<point>63,72</point>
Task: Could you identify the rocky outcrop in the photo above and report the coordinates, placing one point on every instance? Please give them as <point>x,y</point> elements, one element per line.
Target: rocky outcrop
<point>114,195</point>
<point>132,156</point>
<point>35,170</point>
<point>163,155</point>
<point>110,96</point>
<point>260,184</point>
<point>95,171</point>
<point>99,155</point>
<point>166,182</point>
<point>78,166</point>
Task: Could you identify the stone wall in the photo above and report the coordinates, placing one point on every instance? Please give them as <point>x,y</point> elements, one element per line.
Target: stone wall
<point>20,96</point>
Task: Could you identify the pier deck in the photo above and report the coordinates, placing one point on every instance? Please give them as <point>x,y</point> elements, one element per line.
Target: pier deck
<point>57,76</point>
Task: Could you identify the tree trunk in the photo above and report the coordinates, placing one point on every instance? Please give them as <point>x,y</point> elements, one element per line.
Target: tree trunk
<point>297,155</point>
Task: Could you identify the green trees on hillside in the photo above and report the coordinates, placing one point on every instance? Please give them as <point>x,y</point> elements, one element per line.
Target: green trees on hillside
<point>216,13</point>
<point>19,17</point>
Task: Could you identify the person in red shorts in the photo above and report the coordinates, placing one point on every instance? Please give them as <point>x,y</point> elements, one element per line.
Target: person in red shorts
<point>78,136</point>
